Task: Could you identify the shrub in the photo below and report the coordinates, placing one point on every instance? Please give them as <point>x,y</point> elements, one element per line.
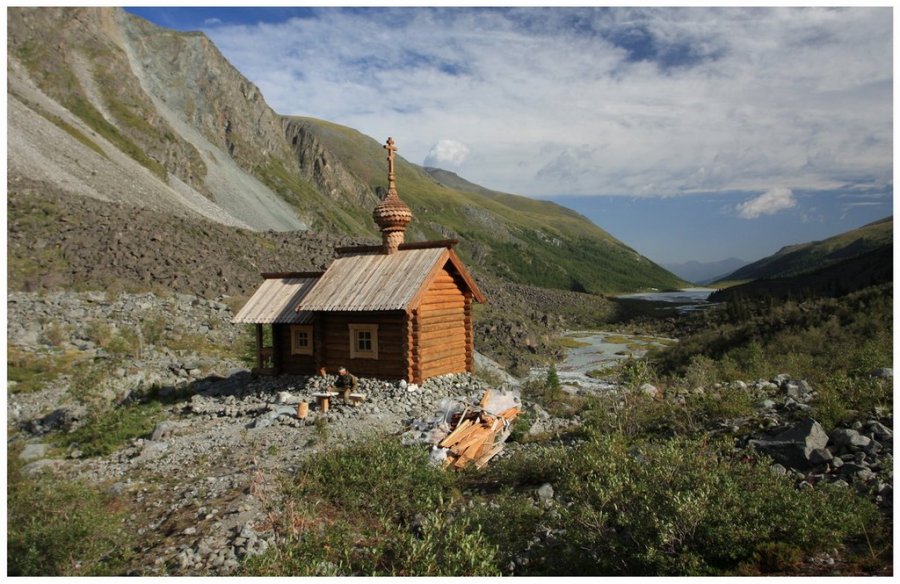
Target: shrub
<point>59,527</point>
<point>99,332</point>
<point>153,329</point>
<point>55,334</point>
<point>682,507</point>
<point>375,508</point>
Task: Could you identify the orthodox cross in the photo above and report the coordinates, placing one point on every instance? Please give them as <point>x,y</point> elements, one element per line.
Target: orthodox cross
<point>391,149</point>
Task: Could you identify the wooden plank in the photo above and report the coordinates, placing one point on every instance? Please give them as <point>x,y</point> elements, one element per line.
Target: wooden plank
<point>483,460</point>
<point>460,433</point>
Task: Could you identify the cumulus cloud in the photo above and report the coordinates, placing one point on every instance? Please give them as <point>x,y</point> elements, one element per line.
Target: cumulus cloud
<point>447,154</point>
<point>768,203</point>
<point>638,102</point>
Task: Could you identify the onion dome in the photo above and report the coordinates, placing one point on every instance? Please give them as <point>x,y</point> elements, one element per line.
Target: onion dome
<point>392,215</point>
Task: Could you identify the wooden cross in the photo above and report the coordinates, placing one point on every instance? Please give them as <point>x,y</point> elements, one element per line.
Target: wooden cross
<point>391,149</point>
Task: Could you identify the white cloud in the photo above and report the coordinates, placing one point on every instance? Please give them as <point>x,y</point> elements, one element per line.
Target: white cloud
<point>447,154</point>
<point>212,21</point>
<point>559,101</point>
<point>768,203</point>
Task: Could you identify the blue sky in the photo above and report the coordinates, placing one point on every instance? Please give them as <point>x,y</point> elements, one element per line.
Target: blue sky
<point>697,133</point>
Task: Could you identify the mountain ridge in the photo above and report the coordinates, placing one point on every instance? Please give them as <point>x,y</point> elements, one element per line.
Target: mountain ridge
<point>794,260</point>
<point>122,110</point>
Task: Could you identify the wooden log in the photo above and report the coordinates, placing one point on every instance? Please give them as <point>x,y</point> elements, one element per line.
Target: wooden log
<point>430,330</point>
<point>441,342</point>
<point>457,320</point>
<point>443,352</point>
<point>443,368</point>
<point>455,312</point>
<point>443,302</point>
<point>431,365</point>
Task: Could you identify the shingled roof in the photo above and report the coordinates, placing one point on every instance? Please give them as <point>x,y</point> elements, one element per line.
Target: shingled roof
<point>377,281</point>
<point>276,300</point>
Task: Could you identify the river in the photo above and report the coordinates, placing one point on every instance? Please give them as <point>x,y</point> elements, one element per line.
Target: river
<point>593,355</point>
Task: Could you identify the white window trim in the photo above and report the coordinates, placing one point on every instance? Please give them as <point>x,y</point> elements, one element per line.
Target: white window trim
<point>296,349</point>
<point>355,353</point>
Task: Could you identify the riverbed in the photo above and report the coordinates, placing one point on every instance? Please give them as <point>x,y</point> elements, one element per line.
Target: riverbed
<point>593,356</point>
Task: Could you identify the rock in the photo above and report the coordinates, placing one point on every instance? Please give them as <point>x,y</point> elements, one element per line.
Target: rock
<point>820,456</point>
<point>190,531</point>
<point>849,438</point>
<point>63,418</point>
<point>649,390</point>
<point>794,446</point>
<point>260,422</point>
<point>37,467</point>
<point>766,404</point>
<point>34,451</point>
<point>883,373</point>
<point>163,430</point>
<point>880,431</point>
<point>545,493</point>
<point>152,450</point>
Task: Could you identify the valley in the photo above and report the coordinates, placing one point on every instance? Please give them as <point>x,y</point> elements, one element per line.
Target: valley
<point>660,430</point>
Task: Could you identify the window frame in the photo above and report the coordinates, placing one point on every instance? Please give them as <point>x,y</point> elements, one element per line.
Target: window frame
<point>355,352</point>
<point>299,349</point>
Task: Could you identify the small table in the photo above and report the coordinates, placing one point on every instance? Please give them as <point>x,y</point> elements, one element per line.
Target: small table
<point>324,398</point>
<point>356,398</point>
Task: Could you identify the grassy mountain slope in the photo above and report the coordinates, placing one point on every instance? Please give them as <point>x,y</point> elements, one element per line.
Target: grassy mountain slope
<point>806,257</point>
<point>525,240</point>
<point>126,92</point>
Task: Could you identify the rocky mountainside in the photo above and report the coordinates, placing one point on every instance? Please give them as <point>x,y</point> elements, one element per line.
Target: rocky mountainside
<point>118,109</point>
<point>807,257</point>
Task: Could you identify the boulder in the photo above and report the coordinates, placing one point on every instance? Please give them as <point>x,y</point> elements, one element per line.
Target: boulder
<point>883,373</point>
<point>849,439</point>
<point>649,390</point>
<point>794,446</point>
<point>34,451</point>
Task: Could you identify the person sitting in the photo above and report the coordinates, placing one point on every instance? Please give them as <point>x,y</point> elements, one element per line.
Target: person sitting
<point>346,383</point>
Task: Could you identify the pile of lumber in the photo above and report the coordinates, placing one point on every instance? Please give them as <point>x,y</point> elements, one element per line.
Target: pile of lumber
<point>478,435</point>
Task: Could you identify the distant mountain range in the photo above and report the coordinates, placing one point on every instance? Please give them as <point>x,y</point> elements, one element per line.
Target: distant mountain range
<point>106,105</point>
<point>704,272</point>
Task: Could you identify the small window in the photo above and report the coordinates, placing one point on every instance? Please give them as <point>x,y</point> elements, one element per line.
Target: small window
<point>363,341</point>
<point>301,339</point>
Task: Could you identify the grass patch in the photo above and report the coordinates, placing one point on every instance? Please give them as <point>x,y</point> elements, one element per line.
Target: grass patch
<point>571,343</point>
<point>32,371</point>
<point>59,527</point>
<point>108,431</point>
<point>374,509</point>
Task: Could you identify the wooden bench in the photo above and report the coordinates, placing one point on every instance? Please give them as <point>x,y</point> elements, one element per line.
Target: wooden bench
<point>357,398</point>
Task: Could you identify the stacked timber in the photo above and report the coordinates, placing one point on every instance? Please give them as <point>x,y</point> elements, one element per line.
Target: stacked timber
<point>478,435</point>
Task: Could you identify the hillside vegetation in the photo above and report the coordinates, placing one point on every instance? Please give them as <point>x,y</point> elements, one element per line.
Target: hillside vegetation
<point>796,259</point>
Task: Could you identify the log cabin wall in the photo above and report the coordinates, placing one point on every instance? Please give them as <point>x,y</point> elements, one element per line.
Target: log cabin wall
<point>441,333</point>
<point>392,342</point>
<point>285,362</point>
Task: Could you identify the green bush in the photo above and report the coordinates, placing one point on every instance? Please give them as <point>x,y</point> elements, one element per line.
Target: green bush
<point>375,509</point>
<point>683,507</point>
<point>58,527</point>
